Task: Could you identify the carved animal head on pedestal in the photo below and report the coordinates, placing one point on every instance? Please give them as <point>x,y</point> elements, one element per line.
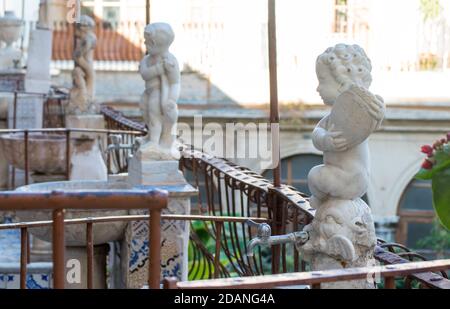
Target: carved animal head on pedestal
<point>158,38</point>
<point>339,67</point>
<point>343,230</point>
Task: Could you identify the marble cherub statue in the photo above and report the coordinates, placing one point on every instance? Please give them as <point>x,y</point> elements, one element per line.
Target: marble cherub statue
<point>342,234</point>
<point>344,74</point>
<point>82,93</point>
<point>161,73</point>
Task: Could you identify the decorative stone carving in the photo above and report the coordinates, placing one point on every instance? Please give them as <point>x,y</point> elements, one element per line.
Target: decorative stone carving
<point>82,93</point>
<point>10,30</point>
<point>161,73</point>
<point>342,234</point>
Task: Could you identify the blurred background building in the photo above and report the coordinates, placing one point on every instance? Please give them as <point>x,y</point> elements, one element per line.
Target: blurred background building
<point>222,46</point>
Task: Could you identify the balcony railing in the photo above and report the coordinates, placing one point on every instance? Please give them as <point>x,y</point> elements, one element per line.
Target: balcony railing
<point>229,195</point>
<point>59,201</point>
<point>227,189</point>
<point>315,279</point>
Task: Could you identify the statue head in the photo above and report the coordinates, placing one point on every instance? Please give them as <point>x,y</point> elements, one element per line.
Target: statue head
<point>86,24</point>
<point>158,38</point>
<point>339,67</point>
<point>343,230</point>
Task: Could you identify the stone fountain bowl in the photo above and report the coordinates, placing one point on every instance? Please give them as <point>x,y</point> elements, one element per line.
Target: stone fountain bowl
<point>10,28</point>
<point>75,235</point>
<point>46,152</point>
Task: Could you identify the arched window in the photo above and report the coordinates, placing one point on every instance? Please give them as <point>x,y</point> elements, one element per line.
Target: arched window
<point>295,169</point>
<point>416,213</point>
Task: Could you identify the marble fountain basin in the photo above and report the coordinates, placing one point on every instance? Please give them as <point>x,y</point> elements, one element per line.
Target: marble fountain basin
<point>46,151</point>
<point>75,234</point>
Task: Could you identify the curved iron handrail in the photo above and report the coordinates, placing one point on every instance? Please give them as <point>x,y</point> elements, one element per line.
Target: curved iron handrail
<point>287,208</point>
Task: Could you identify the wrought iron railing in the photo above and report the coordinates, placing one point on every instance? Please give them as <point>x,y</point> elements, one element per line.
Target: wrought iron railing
<point>116,160</point>
<point>59,201</point>
<point>315,279</point>
<point>226,189</point>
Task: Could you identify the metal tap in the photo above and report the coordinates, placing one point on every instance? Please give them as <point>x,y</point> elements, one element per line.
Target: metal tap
<point>264,237</point>
<point>117,144</point>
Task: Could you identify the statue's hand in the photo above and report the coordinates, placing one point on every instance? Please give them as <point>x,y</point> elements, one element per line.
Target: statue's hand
<point>170,111</point>
<point>333,141</point>
<point>169,64</point>
<point>374,103</point>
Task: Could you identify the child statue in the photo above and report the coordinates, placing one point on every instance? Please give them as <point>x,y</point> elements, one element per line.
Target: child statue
<point>82,93</point>
<point>344,74</point>
<point>342,234</point>
<point>161,73</point>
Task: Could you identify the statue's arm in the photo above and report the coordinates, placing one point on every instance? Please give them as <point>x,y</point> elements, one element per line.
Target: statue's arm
<point>325,138</point>
<point>172,70</point>
<point>148,71</point>
<point>374,104</point>
<point>319,134</point>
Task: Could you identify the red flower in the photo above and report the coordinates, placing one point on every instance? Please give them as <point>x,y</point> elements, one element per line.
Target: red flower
<point>427,165</point>
<point>427,149</point>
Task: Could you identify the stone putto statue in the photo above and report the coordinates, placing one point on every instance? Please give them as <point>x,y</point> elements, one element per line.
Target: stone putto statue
<point>342,234</point>
<point>344,74</point>
<point>161,73</point>
<point>82,93</point>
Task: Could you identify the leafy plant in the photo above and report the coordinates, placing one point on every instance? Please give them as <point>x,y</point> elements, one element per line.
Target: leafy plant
<point>437,168</point>
<point>438,240</point>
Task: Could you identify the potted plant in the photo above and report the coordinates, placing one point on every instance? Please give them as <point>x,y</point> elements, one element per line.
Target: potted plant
<point>437,168</point>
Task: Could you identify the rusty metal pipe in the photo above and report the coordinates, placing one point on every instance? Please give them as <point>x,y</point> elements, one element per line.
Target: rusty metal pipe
<point>23,257</point>
<point>273,75</point>
<point>35,224</point>
<point>58,249</point>
<point>68,157</point>
<point>27,159</point>
<point>219,226</point>
<point>89,199</point>
<point>154,265</point>
<point>90,255</point>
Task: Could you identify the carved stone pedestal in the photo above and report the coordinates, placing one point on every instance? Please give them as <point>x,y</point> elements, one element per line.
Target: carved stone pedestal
<point>175,234</point>
<point>87,161</point>
<point>342,235</point>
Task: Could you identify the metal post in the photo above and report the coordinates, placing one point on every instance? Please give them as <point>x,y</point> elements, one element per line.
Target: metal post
<point>154,265</point>
<point>68,154</point>
<point>274,113</point>
<point>90,255</point>
<point>23,257</point>
<point>27,159</point>
<point>147,11</point>
<point>219,226</point>
<point>58,249</point>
